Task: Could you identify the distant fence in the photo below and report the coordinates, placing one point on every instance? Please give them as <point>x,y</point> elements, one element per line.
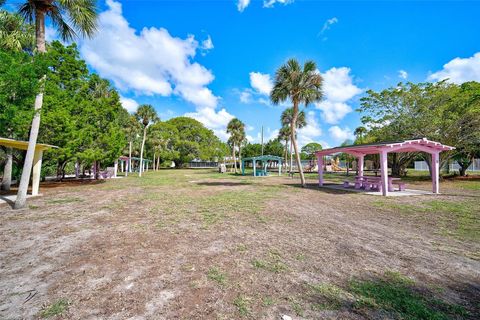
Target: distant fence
<point>453,166</point>
<point>202,164</point>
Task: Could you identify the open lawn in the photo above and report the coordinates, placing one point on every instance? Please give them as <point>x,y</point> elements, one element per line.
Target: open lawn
<point>195,244</point>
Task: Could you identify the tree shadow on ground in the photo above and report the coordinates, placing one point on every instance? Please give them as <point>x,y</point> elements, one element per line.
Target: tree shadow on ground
<point>394,296</point>
<point>223,183</point>
<point>314,186</point>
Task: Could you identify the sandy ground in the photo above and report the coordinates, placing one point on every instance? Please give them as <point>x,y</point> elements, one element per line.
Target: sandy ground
<point>126,249</point>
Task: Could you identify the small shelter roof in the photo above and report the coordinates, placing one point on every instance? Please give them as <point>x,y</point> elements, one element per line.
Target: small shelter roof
<point>413,145</point>
<point>23,145</point>
<point>263,158</point>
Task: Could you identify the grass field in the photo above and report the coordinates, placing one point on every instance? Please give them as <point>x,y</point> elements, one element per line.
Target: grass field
<point>195,244</point>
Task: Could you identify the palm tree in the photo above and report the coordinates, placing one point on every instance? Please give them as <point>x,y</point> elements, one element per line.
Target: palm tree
<point>131,131</point>
<point>300,85</point>
<point>236,129</point>
<point>69,17</point>
<point>146,115</point>
<point>284,135</point>
<point>360,132</point>
<point>286,120</point>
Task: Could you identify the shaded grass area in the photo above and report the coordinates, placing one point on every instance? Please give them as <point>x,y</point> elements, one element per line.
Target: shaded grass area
<point>458,218</point>
<point>392,295</point>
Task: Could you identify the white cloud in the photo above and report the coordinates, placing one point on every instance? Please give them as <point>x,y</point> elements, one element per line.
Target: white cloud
<point>246,96</point>
<point>459,70</point>
<point>129,104</point>
<point>338,89</point>
<point>51,34</point>
<point>310,132</point>
<point>403,74</point>
<point>328,23</point>
<point>271,3</point>
<point>339,135</point>
<point>207,44</point>
<point>153,62</point>
<point>242,4</point>
<point>261,82</point>
<point>212,119</point>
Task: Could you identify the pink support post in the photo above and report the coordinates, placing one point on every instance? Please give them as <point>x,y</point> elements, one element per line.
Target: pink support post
<point>360,165</point>
<point>320,170</point>
<point>435,172</point>
<point>384,171</point>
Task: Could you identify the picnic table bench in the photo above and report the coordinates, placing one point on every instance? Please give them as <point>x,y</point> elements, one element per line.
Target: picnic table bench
<point>375,183</point>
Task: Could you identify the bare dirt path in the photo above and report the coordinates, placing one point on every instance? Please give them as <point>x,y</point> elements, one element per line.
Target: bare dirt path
<point>197,245</point>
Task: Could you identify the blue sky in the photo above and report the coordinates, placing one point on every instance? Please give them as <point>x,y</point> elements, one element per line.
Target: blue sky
<point>214,60</point>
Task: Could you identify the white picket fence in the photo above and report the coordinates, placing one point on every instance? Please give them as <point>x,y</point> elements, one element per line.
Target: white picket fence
<point>453,166</point>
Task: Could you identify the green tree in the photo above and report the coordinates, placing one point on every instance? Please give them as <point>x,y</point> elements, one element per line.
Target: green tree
<point>274,148</point>
<point>286,119</point>
<point>236,129</point>
<point>310,149</point>
<point>69,17</point>
<point>15,34</point>
<point>132,128</point>
<point>163,137</point>
<point>146,115</point>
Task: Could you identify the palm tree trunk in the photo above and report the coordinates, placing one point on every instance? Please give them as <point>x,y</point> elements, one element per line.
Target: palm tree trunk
<point>153,164</point>
<point>7,171</point>
<point>21,200</point>
<point>234,160</point>
<point>286,155</point>
<point>291,156</point>
<point>141,151</point>
<point>240,157</point>
<point>294,140</point>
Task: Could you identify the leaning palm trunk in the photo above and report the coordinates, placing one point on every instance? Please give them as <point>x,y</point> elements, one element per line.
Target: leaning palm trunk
<point>240,158</point>
<point>32,141</point>
<point>140,169</point>
<point>295,147</point>
<point>7,171</point>
<point>286,155</point>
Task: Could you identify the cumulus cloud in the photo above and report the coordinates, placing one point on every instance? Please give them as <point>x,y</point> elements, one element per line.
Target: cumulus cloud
<point>338,89</point>
<point>403,74</point>
<point>261,82</point>
<point>271,3</point>
<point>153,62</point>
<point>310,132</point>
<point>129,104</point>
<point>242,4</point>
<point>459,70</point>
<point>340,134</point>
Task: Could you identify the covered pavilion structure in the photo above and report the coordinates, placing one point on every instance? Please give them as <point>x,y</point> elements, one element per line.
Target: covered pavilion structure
<point>383,149</point>
<point>264,161</point>
<point>126,166</point>
<point>37,158</point>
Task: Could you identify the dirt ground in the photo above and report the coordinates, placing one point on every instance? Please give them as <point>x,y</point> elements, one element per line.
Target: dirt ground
<point>185,244</point>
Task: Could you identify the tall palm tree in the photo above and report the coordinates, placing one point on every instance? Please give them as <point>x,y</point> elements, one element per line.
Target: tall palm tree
<point>301,86</point>
<point>69,18</point>
<point>236,129</point>
<point>286,120</point>
<point>146,115</point>
<point>284,135</point>
<point>132,129</point>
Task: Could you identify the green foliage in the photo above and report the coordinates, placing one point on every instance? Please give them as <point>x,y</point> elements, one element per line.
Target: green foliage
<point>15,34</point>
<point>194,141</point>
<point>56,309</point>
<point>310,149</point>
<point>274,147</point>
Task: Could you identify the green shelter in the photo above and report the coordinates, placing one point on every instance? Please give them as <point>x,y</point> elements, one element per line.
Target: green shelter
<point>264,161</point>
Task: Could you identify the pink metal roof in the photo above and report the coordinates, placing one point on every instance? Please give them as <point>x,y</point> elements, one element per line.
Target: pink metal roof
<point>413,145</point>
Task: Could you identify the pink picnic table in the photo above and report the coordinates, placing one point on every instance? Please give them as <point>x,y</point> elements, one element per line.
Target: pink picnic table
<point>362,181</point>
